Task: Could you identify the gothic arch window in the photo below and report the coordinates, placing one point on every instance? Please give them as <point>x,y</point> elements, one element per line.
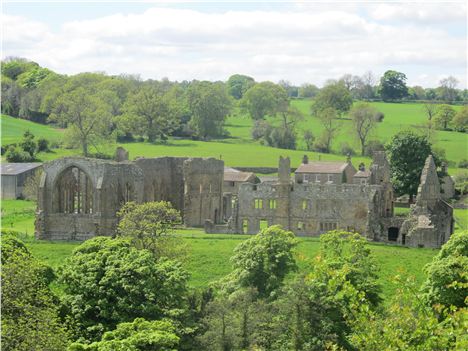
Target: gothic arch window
<point>75,192</point>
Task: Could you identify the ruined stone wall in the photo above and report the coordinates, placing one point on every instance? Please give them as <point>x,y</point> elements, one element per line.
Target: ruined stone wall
<point>111,185</point>
<point>203,191</point>
<point>306,209</point>
<point>163,179</point>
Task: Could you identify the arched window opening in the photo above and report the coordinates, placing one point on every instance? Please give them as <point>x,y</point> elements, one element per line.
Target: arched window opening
<point>75,192</point>
<point>393,233</point>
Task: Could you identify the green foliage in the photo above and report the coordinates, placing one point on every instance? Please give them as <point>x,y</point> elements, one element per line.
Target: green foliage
<point>444,116</point>
<point>408,324</point>
<point>150,111</point>
<point>85,113</point>
<point>447,274</point>
<point>28,144</point>
<point>150,226</point>
<point>108,281</point>
<point>16,154</point>
<point>407,153</point>
<point>209,104</point>
<point>29,314</point>
<point>32,78</point>
<point>460,121</point>
<point>263,261</point>
<point>42,145</point>
<point>264,99</point>
<point>393,86</point>
<point>350,253</point>
<point>333,96</point>
<point>308,91</point>
<point>139,335</point>
<point>14,67</point>
<point>461,183</point>
<point>238,84</point>
<point>309,139</point>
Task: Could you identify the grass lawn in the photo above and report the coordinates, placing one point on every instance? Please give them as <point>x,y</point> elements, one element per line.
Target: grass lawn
<point>14,128</point>
<point>209,254</point>
<point>241,150</point>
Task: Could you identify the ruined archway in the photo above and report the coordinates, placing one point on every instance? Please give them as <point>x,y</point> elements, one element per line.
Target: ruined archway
<point>74,190</point>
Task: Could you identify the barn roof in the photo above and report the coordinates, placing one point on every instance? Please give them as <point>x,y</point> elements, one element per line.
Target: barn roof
<point>18,168</point>
<point>322,167</point>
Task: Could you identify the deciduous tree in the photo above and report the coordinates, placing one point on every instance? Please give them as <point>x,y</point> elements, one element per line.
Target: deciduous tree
<point>108,281</point>
<point>460,121</point>
<point>393,86</point>
<point>444,116</point>
<point>333,96</point>
<point>363,117</point>
<point>330,123</point>
<point>264,99</point>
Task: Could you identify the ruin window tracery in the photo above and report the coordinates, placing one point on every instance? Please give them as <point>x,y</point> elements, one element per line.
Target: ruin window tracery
<point>272,204</point>
<point>258,203</point>
<point>75,192</point>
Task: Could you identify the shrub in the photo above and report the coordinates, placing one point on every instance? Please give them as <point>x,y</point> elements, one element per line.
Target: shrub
<point>261,129</point>
<point>320,146</point>
<point>15,154</point>
<point>461,183</point>
<point>463,163</point>
<point>346,149</point>
<point>379,116</point>
<point>42,145</point>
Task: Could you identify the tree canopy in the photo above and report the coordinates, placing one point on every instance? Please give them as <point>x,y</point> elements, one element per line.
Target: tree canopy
<point>393,86</point>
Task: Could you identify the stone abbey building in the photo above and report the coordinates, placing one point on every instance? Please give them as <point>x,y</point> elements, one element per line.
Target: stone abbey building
<point>79,198</point>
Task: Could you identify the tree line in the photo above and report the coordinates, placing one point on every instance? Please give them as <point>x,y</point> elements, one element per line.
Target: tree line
<point>130,292</point>
<point>96,107</point>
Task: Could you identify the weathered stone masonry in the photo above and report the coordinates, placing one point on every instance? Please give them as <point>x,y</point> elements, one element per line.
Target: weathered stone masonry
<point>79,197</point>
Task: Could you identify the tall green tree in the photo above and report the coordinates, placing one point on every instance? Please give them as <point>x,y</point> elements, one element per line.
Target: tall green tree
<point>86,115</point>
<point>393,86</point>
<point>108,281</point>
<point>444,116</point>
<point>263,261</point>
<point>30,316</point>
<point>150,112</point>
<point>460,121</point>
<point>238,84</point>
<point>447,274</point>
<point>139,335</point>
<point>150,226</point>
<point>209,104</point>
<point>407,154</point>
<point>329,119</point>
<point>265,98</point>
<point>333,96</point>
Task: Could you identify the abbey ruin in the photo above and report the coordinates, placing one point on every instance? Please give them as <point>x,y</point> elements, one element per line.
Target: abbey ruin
<point>79,198</point>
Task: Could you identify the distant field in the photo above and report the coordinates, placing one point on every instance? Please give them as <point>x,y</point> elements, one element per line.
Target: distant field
<point>241,150</point>
<point>14,128</point>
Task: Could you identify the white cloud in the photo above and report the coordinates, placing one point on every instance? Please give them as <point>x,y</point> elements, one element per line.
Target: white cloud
<point>301,46</point>
<point>429,13</point>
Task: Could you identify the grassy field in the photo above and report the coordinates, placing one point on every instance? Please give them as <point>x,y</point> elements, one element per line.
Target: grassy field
<point>14,128</point>
<point>240,150</point>
<point>209,254</point>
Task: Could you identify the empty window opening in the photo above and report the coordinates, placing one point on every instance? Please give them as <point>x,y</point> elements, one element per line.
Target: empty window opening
<point>201,188</point>
<point>254,187</point>
<point>304,204</point>
<point>403,239</point>
<point>263,224</point>
<point>258,203</point>
<point>75,192</point>
<point>300,225</point>
<point>393,234</point>
<point>317,178</point>
<point>327,226</point>
<point>273,204</point>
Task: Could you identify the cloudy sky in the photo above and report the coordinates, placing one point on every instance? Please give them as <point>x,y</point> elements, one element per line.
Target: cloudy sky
<point>300,41</point>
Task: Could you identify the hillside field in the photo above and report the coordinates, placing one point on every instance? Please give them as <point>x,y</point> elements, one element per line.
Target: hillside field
<point>240,150</point>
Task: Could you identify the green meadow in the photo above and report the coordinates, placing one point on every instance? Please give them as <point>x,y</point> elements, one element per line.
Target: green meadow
<point>209,254</point>
<point>240,150</point>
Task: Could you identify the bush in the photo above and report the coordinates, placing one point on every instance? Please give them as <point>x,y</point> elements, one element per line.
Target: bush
<point>320,146</point>
<point>261,129</point>
<point>463,163</point>
<point>42,145</point>
<point>373,146</point>
<point>379,116</point>
<point>461,183</point>
<point>283,138</point>
<point>124,137</point>
<point>15,154</point>
<point>346,149</point>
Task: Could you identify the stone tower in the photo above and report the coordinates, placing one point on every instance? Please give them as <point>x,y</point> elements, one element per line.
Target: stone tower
<point>429,187</point>
<point>284,170</point>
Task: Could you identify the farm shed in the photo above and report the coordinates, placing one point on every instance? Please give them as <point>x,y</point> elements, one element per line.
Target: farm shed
<point>14,176</point>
